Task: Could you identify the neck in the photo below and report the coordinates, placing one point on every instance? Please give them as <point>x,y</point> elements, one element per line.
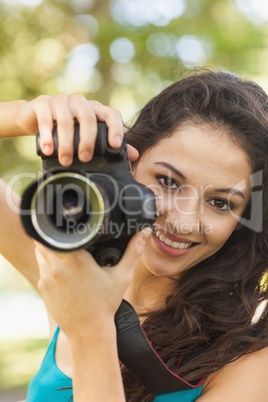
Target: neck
<point>148,292</point>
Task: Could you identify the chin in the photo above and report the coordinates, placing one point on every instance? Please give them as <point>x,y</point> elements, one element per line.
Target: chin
<point>162,269</point>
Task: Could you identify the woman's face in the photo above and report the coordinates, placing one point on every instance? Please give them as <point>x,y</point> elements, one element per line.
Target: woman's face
<point>202,180</point>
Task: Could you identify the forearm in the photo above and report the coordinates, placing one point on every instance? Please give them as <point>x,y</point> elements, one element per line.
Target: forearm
<point>96,369</point>
<point>9,112</point>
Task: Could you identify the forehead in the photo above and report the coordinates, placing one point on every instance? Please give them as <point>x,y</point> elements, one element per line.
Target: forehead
<point>203,153</point>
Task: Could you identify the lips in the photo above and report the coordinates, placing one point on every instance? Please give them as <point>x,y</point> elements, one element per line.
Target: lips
<point>172,245</point>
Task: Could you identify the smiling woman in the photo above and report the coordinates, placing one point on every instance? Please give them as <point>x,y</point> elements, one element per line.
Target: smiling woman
<point>203,147</point>
<point>204,192</point>
<point>196,281</point>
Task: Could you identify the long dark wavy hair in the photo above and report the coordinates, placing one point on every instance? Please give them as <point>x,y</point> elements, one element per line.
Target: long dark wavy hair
<point>207,320</point>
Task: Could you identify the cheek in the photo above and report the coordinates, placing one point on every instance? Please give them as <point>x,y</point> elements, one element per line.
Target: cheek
<point>218,232</point>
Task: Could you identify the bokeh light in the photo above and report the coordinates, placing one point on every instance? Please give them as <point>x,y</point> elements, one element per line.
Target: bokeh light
<point>125,74</point>
<point>26,3</point>
<point>162,44</point>
<point>255,10</point>
<point>84,56</point>
<point>79,80</point>
<point>82,5</point>
<point>49,52</point>
<point>88,23</point>
<point>79,74</point>
<point>51,20</point>
<point>140,12</point>
<point>193,51</point>
<point>122,50</point>
<point>123,99</point>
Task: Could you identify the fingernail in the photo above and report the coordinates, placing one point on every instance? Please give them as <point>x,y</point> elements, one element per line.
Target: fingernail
<point>66,160</point>
<point>47,149</point>
<point>85,156</point>
<point>117,141</point>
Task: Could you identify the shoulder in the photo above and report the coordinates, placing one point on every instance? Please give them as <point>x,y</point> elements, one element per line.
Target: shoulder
<point>245,380</point>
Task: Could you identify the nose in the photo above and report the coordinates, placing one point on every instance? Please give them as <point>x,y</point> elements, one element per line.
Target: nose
<point>183,224</point>
<point>182,214</point>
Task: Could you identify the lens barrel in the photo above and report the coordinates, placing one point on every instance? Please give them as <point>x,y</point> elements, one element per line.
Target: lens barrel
<point>67,210</point>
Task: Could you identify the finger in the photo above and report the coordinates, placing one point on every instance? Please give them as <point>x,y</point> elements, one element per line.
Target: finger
<point>44,116</point>
<point>133,153</point>
<point>87,126</point>
<point>42,263</point>
<point>51,256</point>
<point>39,256</point>
<point>42,250</point>
<point>65,129</point>
<point>134,251</point>
<point>113,119</point>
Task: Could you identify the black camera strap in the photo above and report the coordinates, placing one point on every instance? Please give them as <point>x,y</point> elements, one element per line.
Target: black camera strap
<point>137,354</point>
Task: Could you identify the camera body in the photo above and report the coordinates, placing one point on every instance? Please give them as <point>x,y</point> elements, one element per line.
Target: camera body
<point>95,205</point>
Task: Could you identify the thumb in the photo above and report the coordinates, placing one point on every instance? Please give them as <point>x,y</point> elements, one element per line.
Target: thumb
<point>135,249</point>
<point>133,153</point>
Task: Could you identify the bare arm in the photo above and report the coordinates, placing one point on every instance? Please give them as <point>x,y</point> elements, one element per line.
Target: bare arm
<point>9,114</point>
<point>15,245</point>
<point>96,369</point>
<point>243,380</point>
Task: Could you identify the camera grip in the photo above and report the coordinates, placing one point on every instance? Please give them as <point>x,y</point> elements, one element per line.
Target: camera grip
<point>102,147</point>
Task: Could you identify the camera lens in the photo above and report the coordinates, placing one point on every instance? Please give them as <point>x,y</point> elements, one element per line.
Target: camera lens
<point>74,207</point>
<point>71,207</point>
<point>67,210</point>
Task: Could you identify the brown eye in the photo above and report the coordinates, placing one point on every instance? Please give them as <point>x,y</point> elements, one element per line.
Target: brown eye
<point>167,182</point>
<point>221,205</point>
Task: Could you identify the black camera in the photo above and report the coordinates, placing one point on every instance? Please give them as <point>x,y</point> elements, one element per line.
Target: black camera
<point>95,205</point>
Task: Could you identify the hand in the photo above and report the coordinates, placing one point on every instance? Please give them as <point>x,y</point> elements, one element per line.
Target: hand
<point>79,293</point>
<point>41,113</point>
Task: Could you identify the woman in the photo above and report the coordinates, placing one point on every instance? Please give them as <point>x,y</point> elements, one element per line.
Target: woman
<point>197,280</point>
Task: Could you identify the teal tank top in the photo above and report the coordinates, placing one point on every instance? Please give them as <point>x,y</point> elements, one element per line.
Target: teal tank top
<point>50,384</point>
<point>190,395</point>
<point>46,385</point>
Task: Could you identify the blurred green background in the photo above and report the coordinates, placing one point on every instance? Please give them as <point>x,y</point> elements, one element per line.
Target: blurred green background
<point>120,52</point>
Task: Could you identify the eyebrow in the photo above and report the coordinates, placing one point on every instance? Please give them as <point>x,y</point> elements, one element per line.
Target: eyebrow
<point>231,190</point>
<point>172,168</point>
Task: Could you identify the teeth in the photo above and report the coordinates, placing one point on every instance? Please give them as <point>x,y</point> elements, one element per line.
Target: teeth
<point>170,243</point>
<point>162,238</point>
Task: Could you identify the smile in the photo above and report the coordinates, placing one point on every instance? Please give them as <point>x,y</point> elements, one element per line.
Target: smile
<point>170,243</point>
